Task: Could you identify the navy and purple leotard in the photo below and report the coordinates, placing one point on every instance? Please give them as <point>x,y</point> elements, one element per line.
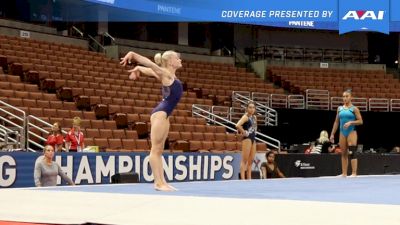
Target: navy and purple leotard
<point>171,96</point>
<point>251,127</point>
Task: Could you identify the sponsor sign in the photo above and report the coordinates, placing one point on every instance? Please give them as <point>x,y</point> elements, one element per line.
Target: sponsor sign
<point>17,169</point>
<point>370,15</point>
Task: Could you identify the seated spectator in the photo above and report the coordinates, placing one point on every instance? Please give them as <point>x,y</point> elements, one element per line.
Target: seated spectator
<point>46,170</point>
<point>269,168</point>
<point>74,141</point>
<point>55,138</point>
<point>322,144</point>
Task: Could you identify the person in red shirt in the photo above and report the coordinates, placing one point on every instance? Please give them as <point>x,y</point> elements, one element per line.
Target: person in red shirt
<point>55,138</point>
<point>74,141</point>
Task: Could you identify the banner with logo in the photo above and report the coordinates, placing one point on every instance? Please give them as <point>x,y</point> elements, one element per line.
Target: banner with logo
<point>370,15</point>
<point>343,15</point>
<point>17,168</point>
<point>309,165</point>
<point>302,165</point>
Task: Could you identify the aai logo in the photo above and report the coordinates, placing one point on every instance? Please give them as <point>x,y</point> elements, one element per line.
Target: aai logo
<point>371,15</point>
<point>364,14</point>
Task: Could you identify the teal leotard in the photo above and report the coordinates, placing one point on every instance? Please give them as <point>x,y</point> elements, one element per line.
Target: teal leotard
<point>346,115</point>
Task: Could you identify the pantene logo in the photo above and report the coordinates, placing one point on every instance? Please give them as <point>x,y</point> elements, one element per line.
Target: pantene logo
<point>107,1</point>
<point>363,14</point>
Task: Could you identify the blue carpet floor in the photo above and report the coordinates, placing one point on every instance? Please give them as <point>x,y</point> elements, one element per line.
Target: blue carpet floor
<point>365,189</point>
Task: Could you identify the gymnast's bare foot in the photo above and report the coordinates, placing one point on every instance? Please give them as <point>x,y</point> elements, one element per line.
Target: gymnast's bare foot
<point>163,187</point>
<point>172,187</point>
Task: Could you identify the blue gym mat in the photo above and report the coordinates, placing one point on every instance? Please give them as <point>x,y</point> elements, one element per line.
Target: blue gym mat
<point>362,189</point>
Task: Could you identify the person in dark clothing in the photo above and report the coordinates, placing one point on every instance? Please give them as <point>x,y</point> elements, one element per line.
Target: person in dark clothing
<point>269,168</point>
<point>322,144</point>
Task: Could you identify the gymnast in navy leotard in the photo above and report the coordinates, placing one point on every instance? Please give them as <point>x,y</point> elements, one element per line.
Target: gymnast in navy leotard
<point>171,96</point>
<point>247,126</point>
<point>164,70</point>
<point>347,117</point>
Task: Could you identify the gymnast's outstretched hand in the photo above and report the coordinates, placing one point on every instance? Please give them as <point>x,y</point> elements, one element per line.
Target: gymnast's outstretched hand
<point>134,73</point>
<point>127,59</point>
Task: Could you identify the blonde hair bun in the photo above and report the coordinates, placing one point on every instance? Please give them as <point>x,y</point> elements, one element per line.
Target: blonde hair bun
<point>158,59</point>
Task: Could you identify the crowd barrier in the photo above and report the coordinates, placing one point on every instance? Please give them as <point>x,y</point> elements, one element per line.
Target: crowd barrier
<point>17,168</point>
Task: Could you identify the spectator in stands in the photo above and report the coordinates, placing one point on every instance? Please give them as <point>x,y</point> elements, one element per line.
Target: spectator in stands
<point>164,70</point>
<point>269,168</point>
<point>347,117</point>
<point>75,141</point>
<point>55,138</point>
<point>247,126</point>
<point>322,144</point>
<point>46,170</point>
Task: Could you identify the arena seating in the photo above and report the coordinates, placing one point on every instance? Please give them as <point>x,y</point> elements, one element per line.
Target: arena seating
<point>365,84</point>
<point>48,80</point>
<point>218,81</point>
<point>309,54</point>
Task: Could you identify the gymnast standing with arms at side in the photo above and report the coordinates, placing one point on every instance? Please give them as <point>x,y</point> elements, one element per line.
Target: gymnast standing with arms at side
<point>247,126</point>
<point>163,70</point>
<point>348,116</point>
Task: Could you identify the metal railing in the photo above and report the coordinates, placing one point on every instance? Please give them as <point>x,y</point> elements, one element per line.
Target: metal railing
<point>314,99</point>
<point>236,113</point>
<point>336,102</point>
<point>10,119</point>
<point>269,115</point>
<point>278,101</point>
<point>317,99</point>
<point>94,45</point>
<point>296,102</point>
<point>3,138</point>
<point>262,98</point>
<point>75,29</point>
<point>220,111</point>
<point>379,104</point>
<point>106,34</point>
<point>243,97</point>
<point>204,111</point>
<point>395,105</point>
<point>7,142</point>
<point>361,103</point>
<point>32,137</point>
<point>308,54</point>
<point>200,111</point>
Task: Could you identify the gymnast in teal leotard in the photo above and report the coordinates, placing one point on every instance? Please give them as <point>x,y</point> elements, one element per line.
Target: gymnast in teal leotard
<point>348,116</point>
